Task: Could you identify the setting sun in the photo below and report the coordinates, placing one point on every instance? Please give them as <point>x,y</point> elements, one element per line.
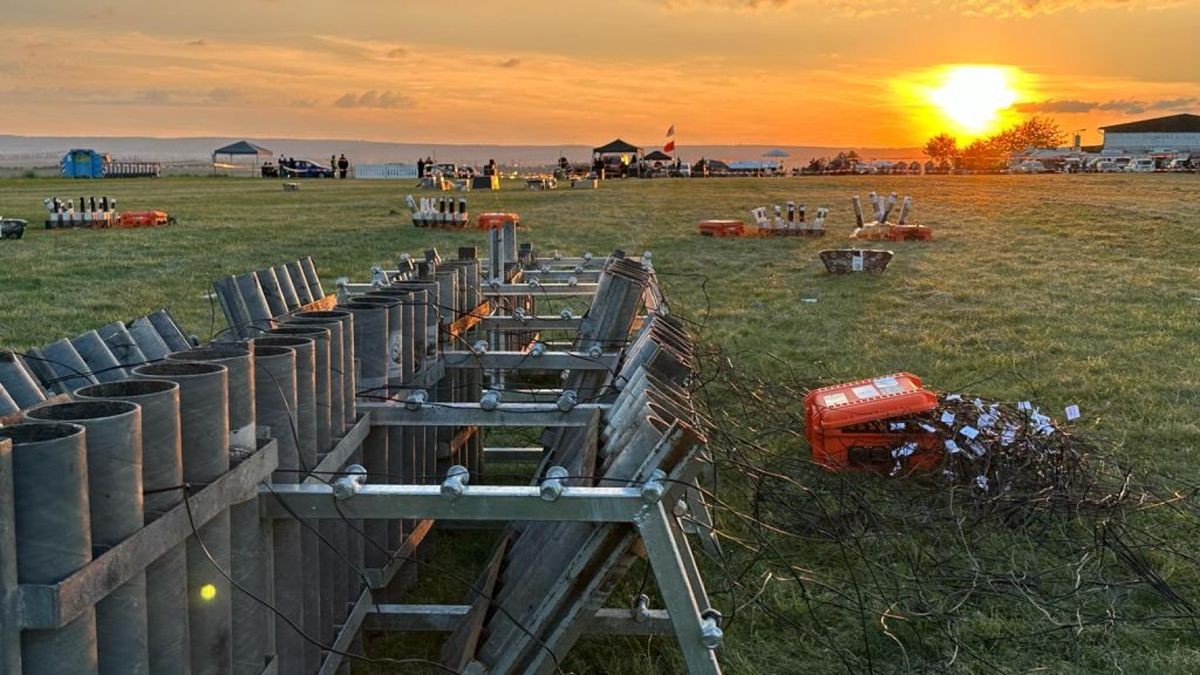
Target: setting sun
<point>973,96</point>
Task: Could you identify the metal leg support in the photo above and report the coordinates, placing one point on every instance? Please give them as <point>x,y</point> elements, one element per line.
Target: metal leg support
<point>684,601</point>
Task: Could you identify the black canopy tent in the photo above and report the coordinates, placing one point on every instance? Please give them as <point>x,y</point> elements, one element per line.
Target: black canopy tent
<point>658,156</point>
<point>240,149</point>
<point>617,147</point>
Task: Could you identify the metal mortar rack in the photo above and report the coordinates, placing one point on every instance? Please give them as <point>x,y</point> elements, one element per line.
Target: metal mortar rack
<point>365,411</point>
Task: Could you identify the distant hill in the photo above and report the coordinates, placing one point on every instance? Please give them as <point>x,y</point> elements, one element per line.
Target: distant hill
<point>28,151</point>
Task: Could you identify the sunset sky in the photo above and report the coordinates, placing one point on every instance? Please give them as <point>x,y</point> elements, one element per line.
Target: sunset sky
<point>800,72</point>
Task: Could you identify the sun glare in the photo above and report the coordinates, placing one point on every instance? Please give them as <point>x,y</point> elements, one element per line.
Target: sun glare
<point>972,97</point>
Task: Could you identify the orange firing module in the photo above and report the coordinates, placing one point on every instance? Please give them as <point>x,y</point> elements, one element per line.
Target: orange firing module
<point>872,424</point>
<point>722,228</point>
<point>496,221</point>
<point>143,219</point>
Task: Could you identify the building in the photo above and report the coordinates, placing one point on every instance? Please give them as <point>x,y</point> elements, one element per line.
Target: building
<point>1175,134</point>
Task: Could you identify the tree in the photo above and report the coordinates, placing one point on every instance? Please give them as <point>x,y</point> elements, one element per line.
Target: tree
<point>816,165</point>
<point>941,148</point>
<point>1035,132</point>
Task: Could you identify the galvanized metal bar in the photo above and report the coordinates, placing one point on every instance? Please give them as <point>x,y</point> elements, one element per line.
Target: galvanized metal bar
<point>540,290</point>
<point>560,276</point>
<point>477,502</point>
<point>512,454</point>
<point>471,414</point>
<point>444,618</point>
<point>529,361</point>
<point>348,633</point>
<point>532,323</point>
<point>667,562</point>
<point>336,459</point>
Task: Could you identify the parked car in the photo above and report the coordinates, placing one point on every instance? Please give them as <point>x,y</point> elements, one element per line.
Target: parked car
<point>303,168</point>
<point>1030,166</point>
<point>1140,165</point>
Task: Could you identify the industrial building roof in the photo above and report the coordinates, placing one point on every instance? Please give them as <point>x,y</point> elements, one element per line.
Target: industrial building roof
<point>1172,124</point>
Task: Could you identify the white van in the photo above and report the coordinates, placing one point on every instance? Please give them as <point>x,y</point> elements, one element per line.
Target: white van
<point>1141,165</point>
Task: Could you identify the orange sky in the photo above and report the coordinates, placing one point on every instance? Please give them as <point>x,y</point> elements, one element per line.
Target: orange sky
<point>803,72</point>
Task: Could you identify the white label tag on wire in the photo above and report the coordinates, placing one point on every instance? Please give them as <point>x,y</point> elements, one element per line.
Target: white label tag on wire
<point>947,418</point>
<point>969,432</point>
<point>1072,413</point>
<point>856,262</point>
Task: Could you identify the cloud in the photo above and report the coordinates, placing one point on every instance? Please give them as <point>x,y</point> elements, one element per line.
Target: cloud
<point>373,99</point>
<point>397,53</point>
<point>155,96</point>
<point>996,8</point>
<point>511,63</point>
<point>1126,106</point>
<point>196,43</point>
<point>108,12</point>
<point>224,95</point>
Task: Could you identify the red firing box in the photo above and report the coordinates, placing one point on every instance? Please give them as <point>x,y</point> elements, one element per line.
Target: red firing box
<point>496,221</point>
<point>909,233</point>
<point>858,425</point>
<point>142,219</point>
<point>722,228</point>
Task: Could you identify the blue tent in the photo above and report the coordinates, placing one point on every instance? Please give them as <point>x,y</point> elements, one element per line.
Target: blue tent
<point>78,163</point>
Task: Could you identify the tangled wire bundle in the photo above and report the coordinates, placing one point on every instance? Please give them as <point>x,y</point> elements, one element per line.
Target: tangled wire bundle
<point>1029,547</point>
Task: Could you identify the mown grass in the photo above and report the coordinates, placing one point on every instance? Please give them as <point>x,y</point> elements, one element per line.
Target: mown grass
<point>1062,290</point>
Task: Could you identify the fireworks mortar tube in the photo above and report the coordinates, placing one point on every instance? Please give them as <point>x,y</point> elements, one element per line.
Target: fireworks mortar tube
<point>904,209</point>
<point>858,213</point>
<point>887,208</point>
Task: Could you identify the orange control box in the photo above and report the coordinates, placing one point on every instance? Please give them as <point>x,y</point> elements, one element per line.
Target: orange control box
<point>872,424</point>
<point>142,219</point>
<point>722,228</point>
<point>909,232</point>
<point>495,221</point>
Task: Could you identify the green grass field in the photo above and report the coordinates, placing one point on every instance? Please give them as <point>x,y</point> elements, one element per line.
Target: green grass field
<point>1058,289</point>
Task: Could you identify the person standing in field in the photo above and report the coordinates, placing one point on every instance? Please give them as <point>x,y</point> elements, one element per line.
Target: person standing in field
<point>332,166</point>
<point>420,168</point>
<point>343,165</point>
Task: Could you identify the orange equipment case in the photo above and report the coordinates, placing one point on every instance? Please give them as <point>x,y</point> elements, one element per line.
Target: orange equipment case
<point>722,228</point>
<point>495,221</point>
<point>142,219</point>
<point>857,425</point>
<point>909,232</point>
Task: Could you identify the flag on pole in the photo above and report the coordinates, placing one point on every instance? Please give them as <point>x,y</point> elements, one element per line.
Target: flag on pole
<point>670,146</point>
<point>671,131</point>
